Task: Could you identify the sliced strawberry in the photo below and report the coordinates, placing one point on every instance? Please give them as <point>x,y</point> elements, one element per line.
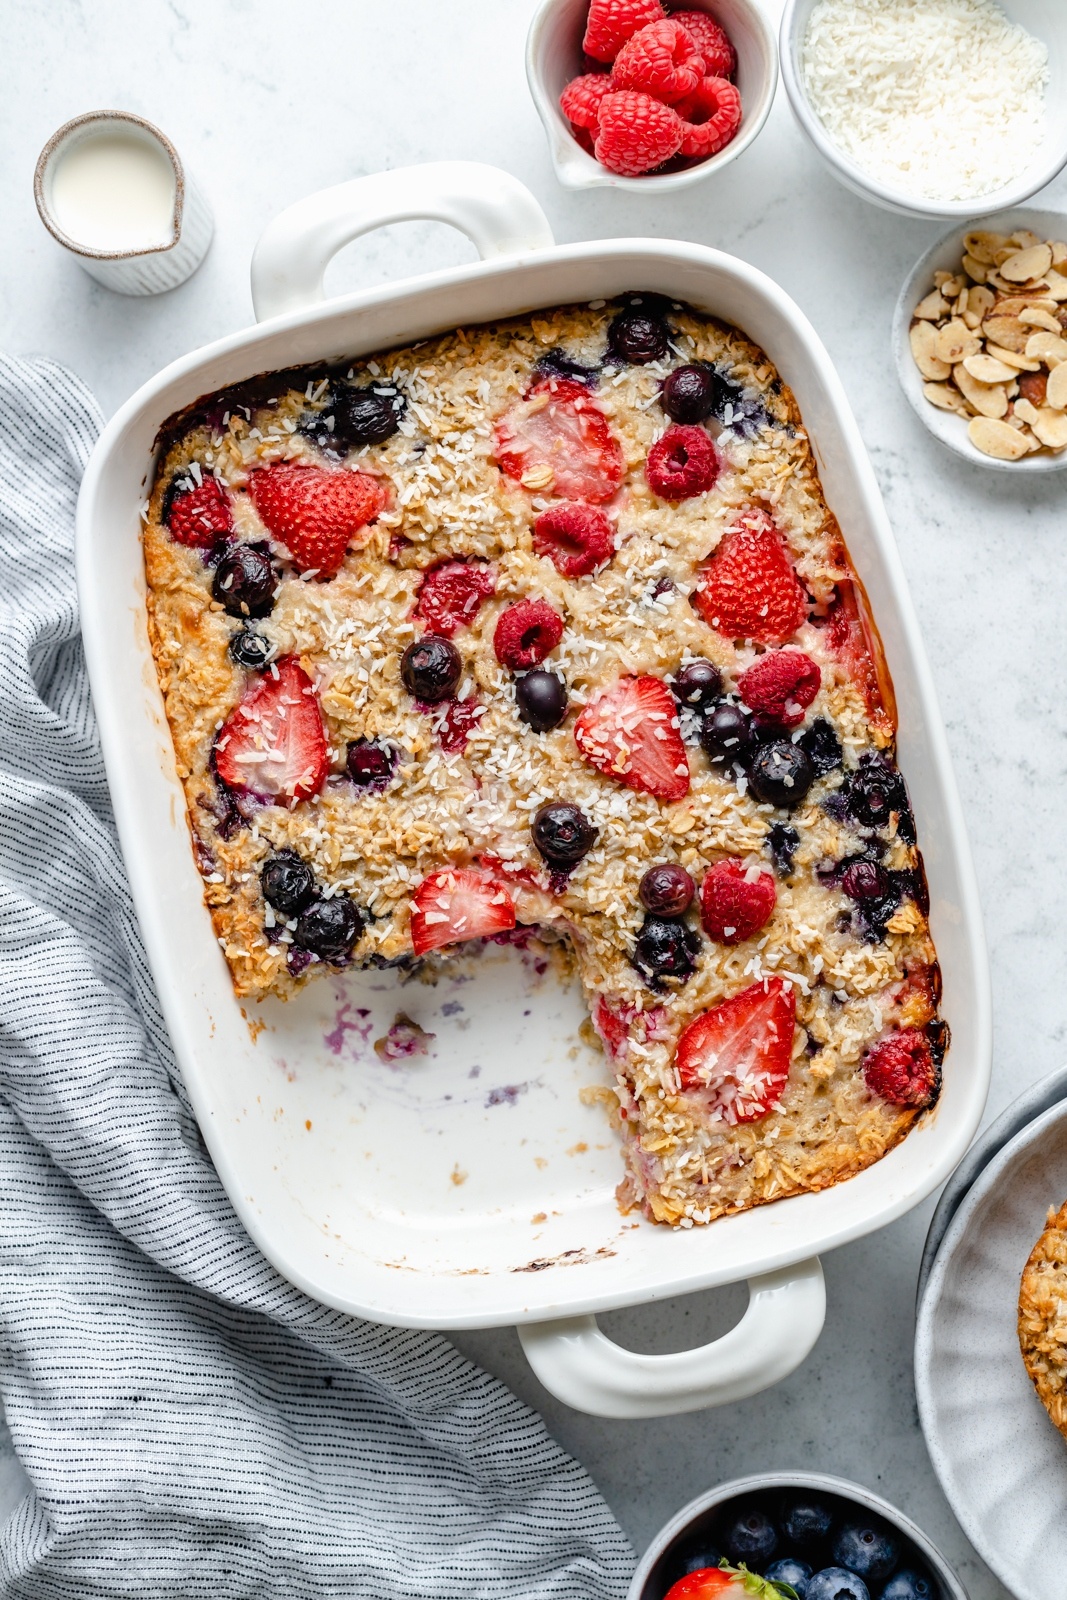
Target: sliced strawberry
<point>617,1020</point>
<point>630,732</point>
<point>460,719</point>
<point>273,745</point>
<point>735,1057</point>
<point>557,441</point>
<point>451,593</point>
<point>197,513</point>
<point>748,589</point>
<point>459,903</point>
<point>853,638</point>
<point>316,512</point>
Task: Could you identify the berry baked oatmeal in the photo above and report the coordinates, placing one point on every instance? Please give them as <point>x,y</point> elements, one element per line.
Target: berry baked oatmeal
<point>544,629</point>
<point>1043,1317</point>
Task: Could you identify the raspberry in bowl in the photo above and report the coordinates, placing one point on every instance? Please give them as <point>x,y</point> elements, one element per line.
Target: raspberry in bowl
<point>641,94</point>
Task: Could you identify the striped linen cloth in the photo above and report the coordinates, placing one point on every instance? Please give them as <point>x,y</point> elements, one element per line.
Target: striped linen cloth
<point>184,1422</point>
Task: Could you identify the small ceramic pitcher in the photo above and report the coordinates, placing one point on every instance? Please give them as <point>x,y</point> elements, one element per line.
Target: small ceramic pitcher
<point>113,191</point>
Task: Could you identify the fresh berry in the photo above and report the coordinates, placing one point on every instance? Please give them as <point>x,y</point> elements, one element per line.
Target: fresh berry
<point>735,901</point>
<point>722,1583</point>
<point>562,833</point>
<point>526,633</point>
<point>611,22</point>
<point>749,589</point>
<point>779,687</point>
<point>636,133</point>
<point>697,1559</point>
<point>907,1584</point>
<point>822,746</point>
<point>576,538</point>
<point>697,684</point>
<point>901,1069</point>
<point>783,842</point>
<point>630,732</point>
<point>727,735</point>
<point>866,1548</point>
<point>875,791</point>
<point>315,512</point>
<point>835,1583</point>
<point>736,1056</point>
<point>367,415</point>
<point>370,764</point>
<point>618,1021</point>
<point>288,883</point>
<point>806,1523</point>
<point>665,948</point>
<point>580,100</point>
<point>431,669</point>
<point>711,116</point>
<point>451,593</point>
<point>660,59</point>
<point>683,463</point>
<point>667,890</point>
<point>637,338</point>
<point>329,928</point>
<point>556,363</point>
<point>851,636</point>
<point>273,745</point>
<point>197,514</point>
<point>688,393</point>
<point>250,650</point>
<point>780,774</point>
<point>718,54</point>
<point>245,582</point>
<point>864,880</point>
<point>557,441</point>
<point>751,1537</point>
<point>541,700</point>
<point>791,1571</point>
<point>456,904</point>
<point>459,721</point>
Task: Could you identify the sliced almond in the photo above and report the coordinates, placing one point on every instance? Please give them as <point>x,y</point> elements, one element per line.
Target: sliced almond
<point>974,269</point>
<point>988,399</point>
<point>955,341</point>
<point>1059,252</point>
<point>1024,409</point>
<point>1008,332</point>
<point>984,246</point>
<point>1051,428</point>
<point>941,277</point>
<point>1013,305</point>
<point>946,398</point>
<point>1026,238</point>
<point>980,299</point>
<point>1051,348</point>
<point>987,369</point>
<point>962,302</point>
<point>932,308</point>
<point>997,439</point>
<point>1038,317</point>
<point>952,286</point>
<point>1056,391</point>
<point>1012,358</point>
<point>923,340</point>
<point>1057,285</point>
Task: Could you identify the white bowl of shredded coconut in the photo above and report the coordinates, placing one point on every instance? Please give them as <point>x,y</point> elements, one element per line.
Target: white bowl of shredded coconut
<point>937,108</point>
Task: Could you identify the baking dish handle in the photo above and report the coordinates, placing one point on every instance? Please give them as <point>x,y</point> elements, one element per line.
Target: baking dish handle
<point>585,1369</point>
<point>496,212</point>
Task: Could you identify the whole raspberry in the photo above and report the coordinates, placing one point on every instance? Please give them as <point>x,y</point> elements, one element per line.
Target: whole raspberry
<point>576,538</point>
<point>612,22</point>
<point>901,1069</point>
<point>451,593</point>
<point>197,514</point>
<point>735,901</point>
<point>636,133</point>
<point>710,118</point>
<point>779,687</point>
<point>720,57</point>
<point>660,60</point>
<point>580,100</point>
<point>525,633</point>
<point>683,463</point>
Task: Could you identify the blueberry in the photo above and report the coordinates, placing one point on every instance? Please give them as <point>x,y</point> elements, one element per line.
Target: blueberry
<point>835,1583</point>
<point>791,1571</point>
<point>780,774</point>
<point>907,1584</point>
<point>698,1558</point>
<point>665,949</point>
<point>431,669</point>
<point>822,745</point>
<point>329,928</point>
<point>874,791</point>
<point>367,415</point>
<point>867,1549</point>
<point>667,890</point>
<point>688,394</point>
<point>864,880</point>
<point>751,1538</point>
<point>541,700</point>
<point>783,842</point>
<point>250,650</point>
<point>727,734</point>
<point>637,337</point>
<point>563,833</point>
<point>698,683</point>
<point>806,1522</point>
<point>245,582</point>
<point>288,883</point>
<point>558,364</point>
<point>938,1034</point>
<point>370,763</point>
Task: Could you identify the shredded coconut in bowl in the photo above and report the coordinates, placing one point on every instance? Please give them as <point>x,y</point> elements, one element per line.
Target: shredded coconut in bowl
<point>941,99</point>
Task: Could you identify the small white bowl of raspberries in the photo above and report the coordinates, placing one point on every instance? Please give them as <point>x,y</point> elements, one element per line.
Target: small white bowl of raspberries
<point>635,96</point>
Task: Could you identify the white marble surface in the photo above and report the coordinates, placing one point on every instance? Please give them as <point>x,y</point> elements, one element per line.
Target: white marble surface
<point>267,101</point>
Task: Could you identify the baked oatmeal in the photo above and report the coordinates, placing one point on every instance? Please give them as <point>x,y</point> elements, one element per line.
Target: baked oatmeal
<point>546,625</point>
<point>1043,1317</point>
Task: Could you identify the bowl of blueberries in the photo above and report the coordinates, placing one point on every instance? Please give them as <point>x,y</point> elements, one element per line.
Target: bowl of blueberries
<point>793,1536</point>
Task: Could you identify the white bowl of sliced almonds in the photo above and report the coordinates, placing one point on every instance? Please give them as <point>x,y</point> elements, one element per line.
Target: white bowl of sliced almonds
<point>980,336</point>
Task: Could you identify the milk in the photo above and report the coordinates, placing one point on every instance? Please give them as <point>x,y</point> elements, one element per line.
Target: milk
<point>114,190</point>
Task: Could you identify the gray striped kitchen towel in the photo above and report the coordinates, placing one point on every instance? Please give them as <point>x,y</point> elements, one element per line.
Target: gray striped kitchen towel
<point>184,1422</point>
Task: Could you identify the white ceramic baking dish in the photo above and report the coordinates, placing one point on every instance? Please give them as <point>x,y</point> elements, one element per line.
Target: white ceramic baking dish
<point>473,1188</point>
